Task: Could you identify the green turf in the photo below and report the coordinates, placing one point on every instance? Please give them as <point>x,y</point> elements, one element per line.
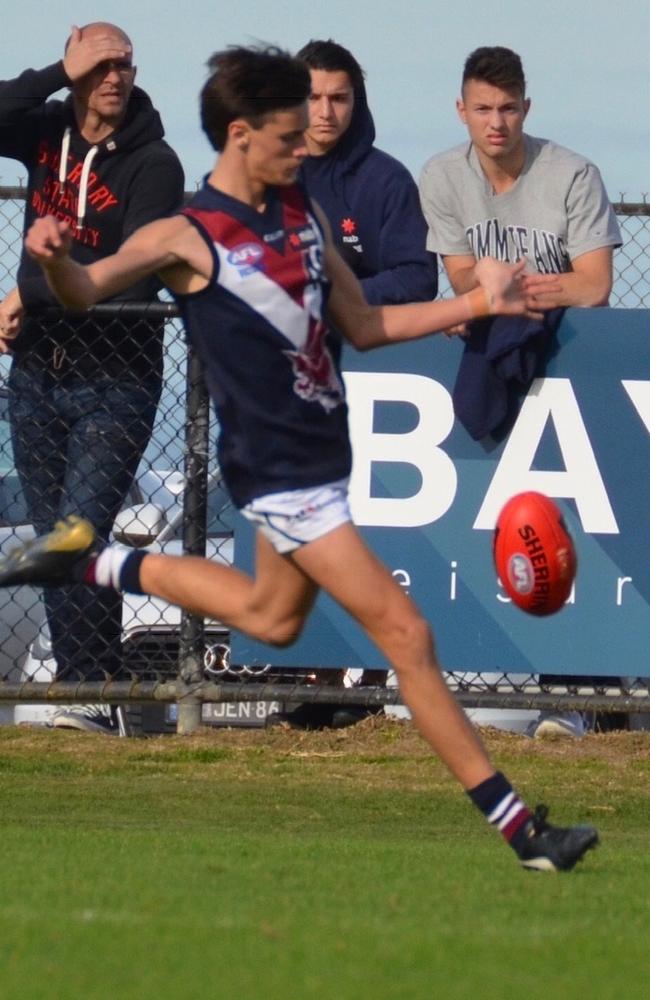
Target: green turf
<point>266,866</point>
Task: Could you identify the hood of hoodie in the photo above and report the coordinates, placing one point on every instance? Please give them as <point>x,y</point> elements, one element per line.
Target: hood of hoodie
<point>352,148</point>
<point>141,125</point>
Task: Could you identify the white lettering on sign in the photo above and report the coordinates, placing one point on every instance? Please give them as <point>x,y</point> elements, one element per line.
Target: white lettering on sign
<point>551,399</point>
<point>639,393</point>
<point>403,578</point>
<point>418,447</point>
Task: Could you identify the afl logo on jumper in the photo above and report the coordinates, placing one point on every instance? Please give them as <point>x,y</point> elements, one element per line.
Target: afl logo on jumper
<point>246,257</point>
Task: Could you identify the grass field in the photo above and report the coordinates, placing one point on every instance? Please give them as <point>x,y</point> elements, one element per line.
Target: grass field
<point>344,865</point>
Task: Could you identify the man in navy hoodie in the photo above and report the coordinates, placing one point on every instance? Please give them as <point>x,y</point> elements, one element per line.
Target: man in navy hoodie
<point>370,199</point>
<point>84,392</point>
<point>372,205</point>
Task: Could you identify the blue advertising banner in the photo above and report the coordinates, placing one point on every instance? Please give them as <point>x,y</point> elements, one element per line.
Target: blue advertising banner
<point>426,496</point>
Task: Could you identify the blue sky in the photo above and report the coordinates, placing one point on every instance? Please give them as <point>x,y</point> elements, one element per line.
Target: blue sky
<point>586,62</point>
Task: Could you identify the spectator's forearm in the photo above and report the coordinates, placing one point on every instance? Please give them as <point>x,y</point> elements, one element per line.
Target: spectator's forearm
<point>572,289</point>
<point>463,280</point>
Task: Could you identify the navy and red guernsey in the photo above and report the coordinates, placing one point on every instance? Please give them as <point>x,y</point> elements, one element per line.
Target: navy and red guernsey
<point>272,366</point>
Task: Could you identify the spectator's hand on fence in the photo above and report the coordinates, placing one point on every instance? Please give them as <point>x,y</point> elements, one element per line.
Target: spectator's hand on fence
<point>48,241</point>
<point>85,53</point>
<point>11,320</point>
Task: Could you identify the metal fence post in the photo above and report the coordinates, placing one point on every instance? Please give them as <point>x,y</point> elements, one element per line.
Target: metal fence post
<point>191,645</point>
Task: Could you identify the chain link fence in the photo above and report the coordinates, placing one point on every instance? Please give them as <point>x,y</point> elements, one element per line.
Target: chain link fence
<point>108,417</point>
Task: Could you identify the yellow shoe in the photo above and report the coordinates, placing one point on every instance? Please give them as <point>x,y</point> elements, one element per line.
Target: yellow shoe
<point>50,560</point>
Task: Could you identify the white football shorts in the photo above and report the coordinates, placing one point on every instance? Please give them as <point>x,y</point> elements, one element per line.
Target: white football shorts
<point>295,517</point>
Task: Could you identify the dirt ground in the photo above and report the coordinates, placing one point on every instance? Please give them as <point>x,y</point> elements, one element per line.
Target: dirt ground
<point>375,736</point>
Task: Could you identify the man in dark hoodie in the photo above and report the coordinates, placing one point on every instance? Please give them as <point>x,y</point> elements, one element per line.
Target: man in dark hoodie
<point>84,392</point>
<point>370,199</point>
<point>372,204</point>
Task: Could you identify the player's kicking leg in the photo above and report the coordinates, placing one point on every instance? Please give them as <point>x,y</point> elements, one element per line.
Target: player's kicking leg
<point>342,565</point>
<point>271,606</point>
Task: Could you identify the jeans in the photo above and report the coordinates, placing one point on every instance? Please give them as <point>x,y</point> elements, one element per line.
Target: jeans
<point>77,443</point>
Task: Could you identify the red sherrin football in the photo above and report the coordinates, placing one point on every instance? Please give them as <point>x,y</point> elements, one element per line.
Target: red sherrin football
<point>534,553</point>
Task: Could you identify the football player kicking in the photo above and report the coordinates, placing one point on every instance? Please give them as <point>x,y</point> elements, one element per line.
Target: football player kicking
<point>253,270</point>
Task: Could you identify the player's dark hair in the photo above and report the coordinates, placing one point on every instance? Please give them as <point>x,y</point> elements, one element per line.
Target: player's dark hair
<point>250,83</point>
<point>333,58</point>
<point>496,65</point>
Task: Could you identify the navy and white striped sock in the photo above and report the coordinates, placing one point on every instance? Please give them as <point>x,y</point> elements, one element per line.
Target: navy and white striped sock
<point>502,808</point>
<point>118,567</point>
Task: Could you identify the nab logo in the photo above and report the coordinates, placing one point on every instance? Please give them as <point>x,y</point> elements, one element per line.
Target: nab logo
<point>301,238</point>
<point>245,257</point>
<point>349,230</point>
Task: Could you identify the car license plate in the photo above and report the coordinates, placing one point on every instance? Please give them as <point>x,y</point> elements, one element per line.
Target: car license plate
<point>238,713</point>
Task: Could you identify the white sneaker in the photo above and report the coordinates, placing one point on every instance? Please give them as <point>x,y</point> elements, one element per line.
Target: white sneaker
<point>90,719</point>
<point>565,724</point>
<point>36,714</point>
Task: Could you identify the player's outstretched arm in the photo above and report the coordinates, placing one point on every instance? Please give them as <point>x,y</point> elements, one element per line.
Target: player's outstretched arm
<point>149,250</point>
<point>503,285</point>
<point>499,293</point>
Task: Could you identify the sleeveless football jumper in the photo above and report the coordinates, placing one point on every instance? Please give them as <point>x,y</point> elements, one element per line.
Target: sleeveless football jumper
<point>272,366</point>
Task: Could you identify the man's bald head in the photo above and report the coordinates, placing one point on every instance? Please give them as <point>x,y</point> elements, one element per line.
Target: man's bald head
<point>98,61</point>
<point>102,28</point>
